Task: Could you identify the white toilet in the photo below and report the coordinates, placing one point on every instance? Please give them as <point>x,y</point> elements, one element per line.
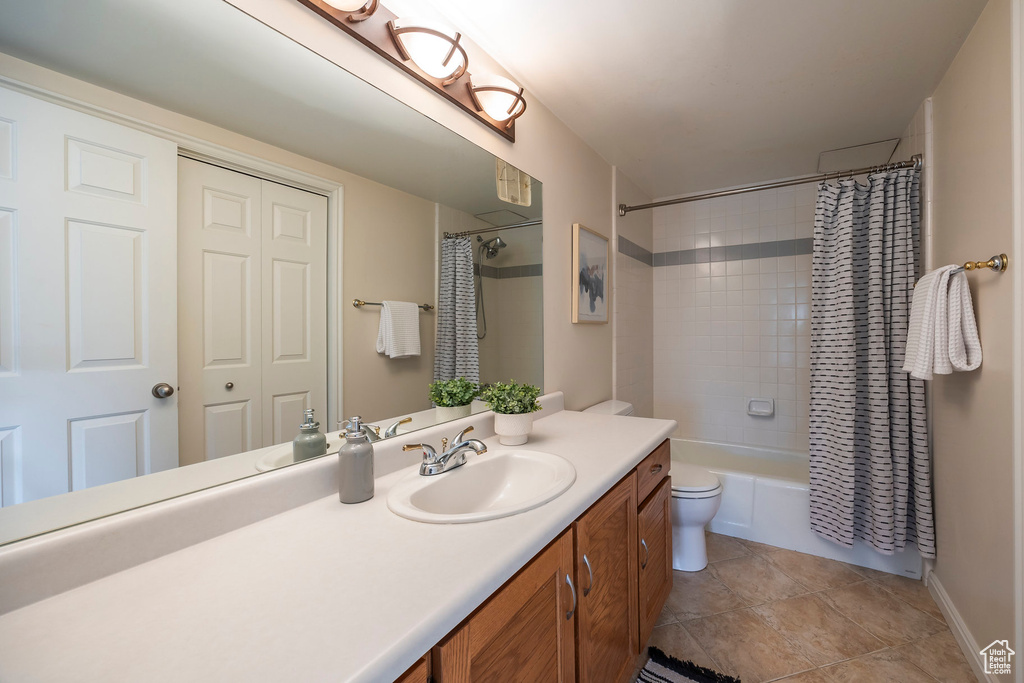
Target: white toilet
<point>696,496</point>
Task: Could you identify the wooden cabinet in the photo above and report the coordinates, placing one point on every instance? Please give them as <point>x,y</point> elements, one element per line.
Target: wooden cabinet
<point>652,470</point>
<point>606,579</point>
<point>524,632</point>
<point>417,673</point>
<point>654,526</point>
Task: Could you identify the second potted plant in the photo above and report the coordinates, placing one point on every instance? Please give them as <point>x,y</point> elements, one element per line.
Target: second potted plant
<point>514,405</point>
<point>453,397</point>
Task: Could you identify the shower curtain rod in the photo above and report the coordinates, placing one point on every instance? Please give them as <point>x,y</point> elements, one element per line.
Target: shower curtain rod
<point>913,162</point>
<point>449,235</point>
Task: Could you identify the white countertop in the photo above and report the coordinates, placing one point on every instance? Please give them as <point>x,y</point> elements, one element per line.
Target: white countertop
<point>321,592</point>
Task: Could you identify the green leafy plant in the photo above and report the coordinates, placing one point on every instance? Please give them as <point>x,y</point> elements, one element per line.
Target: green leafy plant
<point>512,398</point>
<point>452,393</point>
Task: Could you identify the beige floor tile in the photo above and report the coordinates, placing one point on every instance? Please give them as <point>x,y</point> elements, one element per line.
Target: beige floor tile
<point>700,594</point>
<point>756,580</point>
<point>666,617</point>
<point>814,573</point>
<point>746,647</point>
<point>913,592</point>
<point>676,641</point>
<point>940,656</point>
<point>881,613</point>
<point>758,548</point>
<point>813,676</point>
<point>724,548</point>
<point>823,635</point>
<point>876,668</point>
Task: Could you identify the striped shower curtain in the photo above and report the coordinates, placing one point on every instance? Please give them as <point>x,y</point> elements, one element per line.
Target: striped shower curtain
<point>870,466</point>
<point>456,353</point>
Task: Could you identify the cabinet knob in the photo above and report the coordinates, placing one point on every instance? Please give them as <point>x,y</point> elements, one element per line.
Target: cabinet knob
<point>586,562</point>
<point>647,553</point>
<point>655,469</point>
<point>229,386</point>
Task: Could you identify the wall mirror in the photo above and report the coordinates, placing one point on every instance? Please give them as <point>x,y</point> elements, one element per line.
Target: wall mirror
<point>177,270</point>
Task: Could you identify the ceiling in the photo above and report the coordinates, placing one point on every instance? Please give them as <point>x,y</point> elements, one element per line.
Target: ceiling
<point>208,60</point>
<point>691,95</point>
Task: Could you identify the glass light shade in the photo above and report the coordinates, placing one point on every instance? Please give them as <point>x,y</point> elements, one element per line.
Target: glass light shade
<point>434,48</point>
<point>347,5</point>
<point>497,96</point>
<point>358,10</point>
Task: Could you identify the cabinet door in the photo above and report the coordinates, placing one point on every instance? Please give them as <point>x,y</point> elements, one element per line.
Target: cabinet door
<point>524,632</point>
<point>655,556</point>
<point>606,575</point>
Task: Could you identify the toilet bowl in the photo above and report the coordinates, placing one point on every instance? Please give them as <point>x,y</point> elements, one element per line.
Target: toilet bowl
<point>696,496</point>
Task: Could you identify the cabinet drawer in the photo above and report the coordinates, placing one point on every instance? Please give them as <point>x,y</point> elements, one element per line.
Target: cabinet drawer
<point>652,470</point>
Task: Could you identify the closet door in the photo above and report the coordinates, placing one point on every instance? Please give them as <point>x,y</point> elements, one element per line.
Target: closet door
<point>220,313</point>
<point>253,312</point>
<point>294,310</point>
<point>87,300</point>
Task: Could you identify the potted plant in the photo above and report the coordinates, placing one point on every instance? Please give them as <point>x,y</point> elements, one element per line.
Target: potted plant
<point>453,397</point>
<point>514,405</point>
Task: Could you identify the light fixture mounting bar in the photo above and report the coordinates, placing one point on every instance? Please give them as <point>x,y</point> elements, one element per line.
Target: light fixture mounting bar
<point>373,33</point>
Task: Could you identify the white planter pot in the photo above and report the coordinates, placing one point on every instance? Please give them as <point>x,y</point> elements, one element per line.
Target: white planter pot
<point>513,430</point>
<point>446,414</point>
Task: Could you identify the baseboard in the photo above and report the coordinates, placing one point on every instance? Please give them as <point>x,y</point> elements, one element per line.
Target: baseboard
<point>966,641</point>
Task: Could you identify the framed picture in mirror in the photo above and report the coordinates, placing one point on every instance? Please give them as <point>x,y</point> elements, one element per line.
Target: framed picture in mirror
<point>591,287</point>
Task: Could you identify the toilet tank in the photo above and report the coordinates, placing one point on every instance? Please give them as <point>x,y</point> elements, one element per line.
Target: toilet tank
<point>612,407</point>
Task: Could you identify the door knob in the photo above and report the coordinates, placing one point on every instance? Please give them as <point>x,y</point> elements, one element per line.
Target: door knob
<point>162,390</point>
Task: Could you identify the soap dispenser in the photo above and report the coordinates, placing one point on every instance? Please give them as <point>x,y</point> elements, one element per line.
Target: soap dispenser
<point>355,460</point>
<point>310,443</point>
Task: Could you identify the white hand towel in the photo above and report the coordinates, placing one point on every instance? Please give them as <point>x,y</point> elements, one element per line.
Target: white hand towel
<point>942,335</point>
<point>964,343</point>
<point>399,332</point>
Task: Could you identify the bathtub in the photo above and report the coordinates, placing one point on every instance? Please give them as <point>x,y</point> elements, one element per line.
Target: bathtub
<point>766,498</point>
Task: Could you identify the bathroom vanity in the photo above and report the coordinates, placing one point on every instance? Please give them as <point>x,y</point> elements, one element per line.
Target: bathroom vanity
<point>325,591</point>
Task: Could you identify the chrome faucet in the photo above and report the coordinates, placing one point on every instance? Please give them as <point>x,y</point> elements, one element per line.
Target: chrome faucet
<point>393,429</point>
<point>450,458</point>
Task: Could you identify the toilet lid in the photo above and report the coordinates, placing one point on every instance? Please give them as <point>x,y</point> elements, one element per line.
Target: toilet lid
<point>692,478</point>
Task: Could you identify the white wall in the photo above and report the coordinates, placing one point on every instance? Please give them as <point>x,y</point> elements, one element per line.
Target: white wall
<point>633,301</point>
<point>577,189</point>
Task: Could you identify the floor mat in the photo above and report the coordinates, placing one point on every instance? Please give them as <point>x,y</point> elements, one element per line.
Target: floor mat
<point>661,668</point>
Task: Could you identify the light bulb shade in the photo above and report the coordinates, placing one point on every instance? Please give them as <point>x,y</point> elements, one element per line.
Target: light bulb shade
<point>497,96</point>
<point>433,48</point>
<point>358,9</point>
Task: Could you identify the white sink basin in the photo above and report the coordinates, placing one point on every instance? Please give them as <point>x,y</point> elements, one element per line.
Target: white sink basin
<point>488,486</point>
<point>282,455</point>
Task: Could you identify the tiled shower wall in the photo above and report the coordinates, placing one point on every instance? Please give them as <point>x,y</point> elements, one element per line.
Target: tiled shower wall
<point>732,309</point>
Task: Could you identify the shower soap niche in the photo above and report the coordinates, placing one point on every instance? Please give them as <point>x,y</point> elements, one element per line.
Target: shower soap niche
<point>761,407</point>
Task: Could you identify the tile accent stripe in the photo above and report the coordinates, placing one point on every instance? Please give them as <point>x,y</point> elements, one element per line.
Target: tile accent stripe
<point>736,252</point>
<point>529,270</point>
<point>635,251</point>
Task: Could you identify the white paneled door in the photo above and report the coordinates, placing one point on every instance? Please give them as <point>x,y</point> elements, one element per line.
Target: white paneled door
<point>87,300</point>
<point>252,315</point>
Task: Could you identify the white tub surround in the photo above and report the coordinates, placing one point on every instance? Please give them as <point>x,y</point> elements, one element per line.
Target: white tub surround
<point>766,498</point>
<point>321,591</point>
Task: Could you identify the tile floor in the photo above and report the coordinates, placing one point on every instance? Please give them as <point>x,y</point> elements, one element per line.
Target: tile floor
<point>766,614</point>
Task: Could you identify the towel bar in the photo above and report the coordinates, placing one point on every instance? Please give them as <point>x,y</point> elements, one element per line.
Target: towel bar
<point>997,263</point>
<point>359,303</point>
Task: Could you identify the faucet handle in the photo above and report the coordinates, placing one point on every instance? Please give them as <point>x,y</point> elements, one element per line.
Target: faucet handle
<point>428,451</point>
<point>444,444</point>
<point>461,436</point>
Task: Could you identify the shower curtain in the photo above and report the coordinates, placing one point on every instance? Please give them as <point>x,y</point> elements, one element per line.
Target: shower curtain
<point>456,353</point>
<point>870,467</point>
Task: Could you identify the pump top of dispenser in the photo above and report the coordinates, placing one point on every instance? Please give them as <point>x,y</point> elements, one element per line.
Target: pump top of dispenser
<point>309,423</point>
<point>354,428</point>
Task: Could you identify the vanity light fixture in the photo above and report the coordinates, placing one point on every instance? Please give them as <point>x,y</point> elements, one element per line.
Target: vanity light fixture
<point>358,10</point>
<point>432,47</point>
<point>432,54</point>
<point>497,96</point>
